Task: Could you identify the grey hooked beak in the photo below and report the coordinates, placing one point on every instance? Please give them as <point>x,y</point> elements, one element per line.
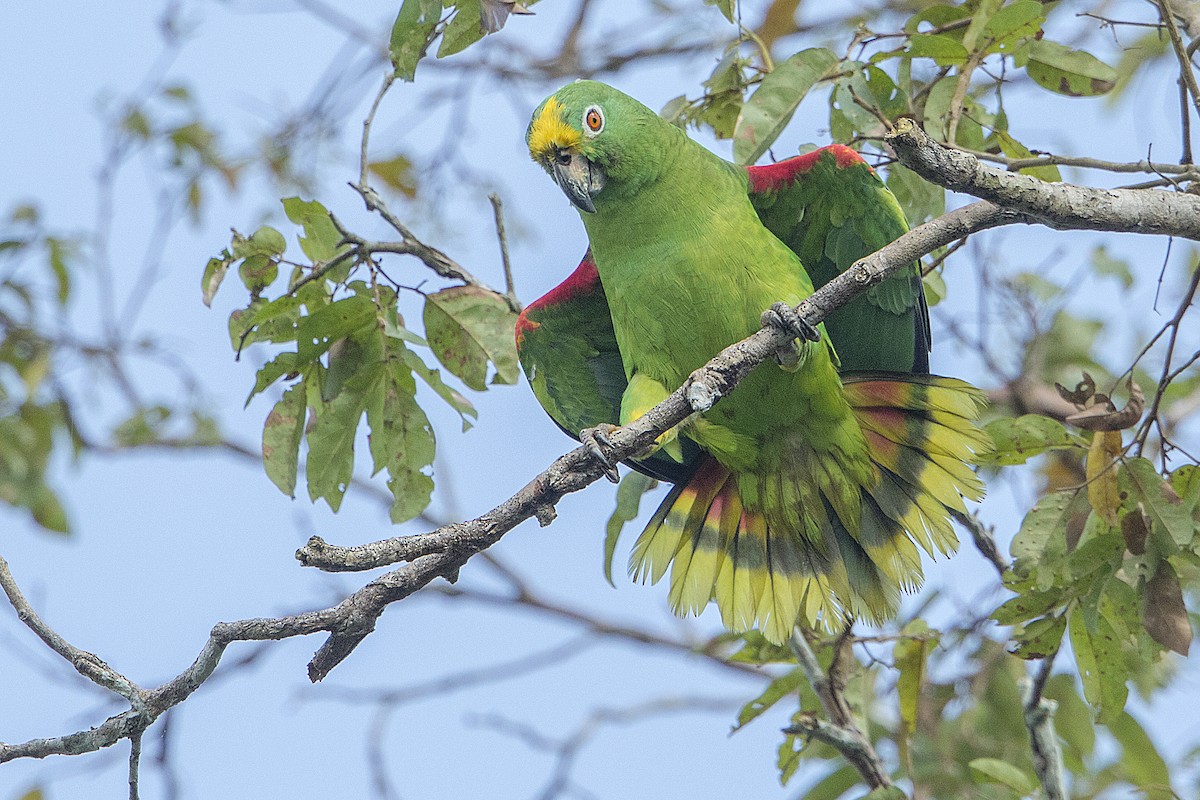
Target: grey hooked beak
<point>579,178</point>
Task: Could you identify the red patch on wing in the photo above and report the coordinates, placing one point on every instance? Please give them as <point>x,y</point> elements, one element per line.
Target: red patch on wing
<point>889,394</point>
<point>883,450</point>
<point>584,280</point>
<point>771,177</point>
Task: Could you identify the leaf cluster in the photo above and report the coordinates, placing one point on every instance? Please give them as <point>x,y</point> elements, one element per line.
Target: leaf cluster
<point>344,354</point>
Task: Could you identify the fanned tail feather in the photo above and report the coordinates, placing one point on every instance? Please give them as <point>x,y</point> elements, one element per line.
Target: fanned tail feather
<point>821,546</point>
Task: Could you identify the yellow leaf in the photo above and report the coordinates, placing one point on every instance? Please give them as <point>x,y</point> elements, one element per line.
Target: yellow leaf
<point>1102,474</point>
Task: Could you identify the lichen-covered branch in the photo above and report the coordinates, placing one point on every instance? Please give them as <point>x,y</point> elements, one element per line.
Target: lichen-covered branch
<point>1047,752</point>
<point>443,551</point>
<point>1058,205</point>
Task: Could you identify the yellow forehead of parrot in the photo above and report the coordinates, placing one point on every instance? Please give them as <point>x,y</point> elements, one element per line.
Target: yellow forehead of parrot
<point>549,130</point>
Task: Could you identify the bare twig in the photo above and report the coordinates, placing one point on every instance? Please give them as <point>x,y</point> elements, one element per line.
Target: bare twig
<point>842,731</point>
<point>510,291</point>
<point>1039,719</point>
<point>1186,73</point>
<point>85,663</point>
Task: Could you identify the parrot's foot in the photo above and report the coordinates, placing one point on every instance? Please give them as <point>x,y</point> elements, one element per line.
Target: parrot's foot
<point>783,317</point>
<point>595,440</point>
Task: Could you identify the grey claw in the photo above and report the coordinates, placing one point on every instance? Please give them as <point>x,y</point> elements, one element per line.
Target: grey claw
<point>595,439</point>
<point>784,317</point>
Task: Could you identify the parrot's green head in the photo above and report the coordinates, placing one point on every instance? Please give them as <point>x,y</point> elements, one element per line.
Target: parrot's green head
<point>596,142</point>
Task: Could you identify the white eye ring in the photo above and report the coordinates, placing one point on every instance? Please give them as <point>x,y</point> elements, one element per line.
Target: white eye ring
<point>593,114</point>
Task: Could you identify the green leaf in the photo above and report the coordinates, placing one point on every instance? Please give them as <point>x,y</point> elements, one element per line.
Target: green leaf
<point>1165,507</point>
<point>1073,721</point>
<point>629,497</point>
<point>1108,266</point>
<point>1101,665</point>
<point>58,251</point>
<point>1044,528</point>
<point>1140,759</point>
<point>401,441</point>
<point>1013,23</point>
<point>282,432</point>
<point>316,332</point>
<point>1074,73</point>
<point>770,108</point>
<point>321,239</point>
<point>1014,149</point>
<point>984,9</point>
<point>411,34</point>
<point>726,7</point>
<point>468,326</point>
<point>271,322</point>
<point>330,464</point>
<point>885,793</point>
<point>47,509</point>
<point>214,273</point>
<point>943,48</point>
<point>993,770</point>
<point>145,426</point>
<point>909,656</point>
<point>920,199</point>
<point>1015,440</point>
<point>464,30</point>
<point>257,273</point>
<point>1040,638</point>
<point>273,370</point>
<point>788,683</point>
<point>832,786</point>
<point>266,241</point>
<point>433,379</point>
<point>1026,606</point>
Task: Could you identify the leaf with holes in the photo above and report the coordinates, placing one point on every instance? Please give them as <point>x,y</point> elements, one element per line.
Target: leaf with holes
<point>1015,440</point>
<point>281,439</point>
<point>469,326</point>
<point>411,34</point>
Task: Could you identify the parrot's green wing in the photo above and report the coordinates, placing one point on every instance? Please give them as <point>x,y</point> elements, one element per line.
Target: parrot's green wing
<point>568,350</point>
<point>831,208</point>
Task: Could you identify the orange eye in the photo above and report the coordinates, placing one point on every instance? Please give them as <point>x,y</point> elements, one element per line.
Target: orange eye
<point>594,119</point>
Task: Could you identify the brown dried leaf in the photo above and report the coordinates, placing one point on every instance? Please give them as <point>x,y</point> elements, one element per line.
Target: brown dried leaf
<point>1164,613</point>
<point>1135,528</point>
<point>1104,415</point>
<point>1081,394</point>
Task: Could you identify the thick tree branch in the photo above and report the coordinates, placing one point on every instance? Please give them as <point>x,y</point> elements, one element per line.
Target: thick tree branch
<point>703,388</point>
<point>1058,205</point>
<point>442,552</point>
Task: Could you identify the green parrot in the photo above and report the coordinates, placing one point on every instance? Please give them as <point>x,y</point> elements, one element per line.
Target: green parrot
<point>801,497</point>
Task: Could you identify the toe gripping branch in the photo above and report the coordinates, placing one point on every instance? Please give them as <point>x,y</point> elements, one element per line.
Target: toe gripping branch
<point>783,317</point>
<point>596,440</point>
